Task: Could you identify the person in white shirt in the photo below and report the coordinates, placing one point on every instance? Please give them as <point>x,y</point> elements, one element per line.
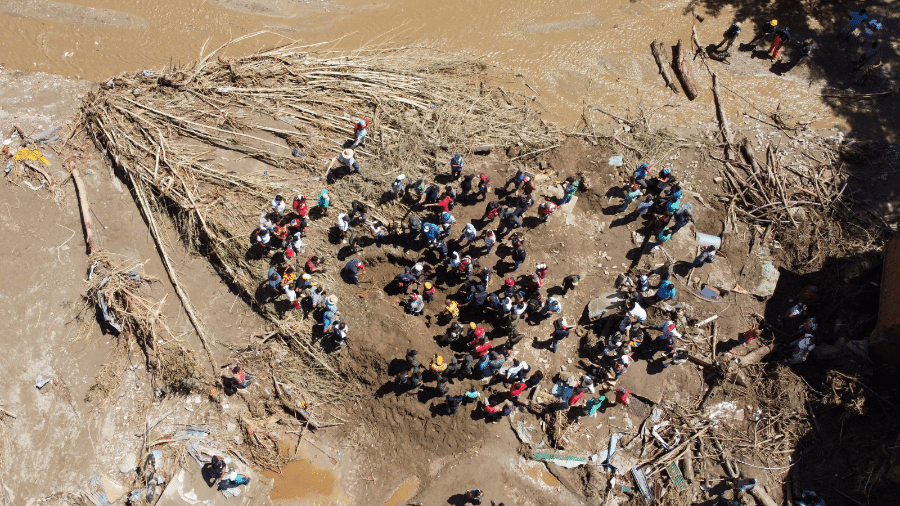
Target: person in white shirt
<point>278,205</point>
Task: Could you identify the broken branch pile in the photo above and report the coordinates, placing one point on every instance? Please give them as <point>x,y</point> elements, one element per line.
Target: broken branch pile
<point>119,296</point>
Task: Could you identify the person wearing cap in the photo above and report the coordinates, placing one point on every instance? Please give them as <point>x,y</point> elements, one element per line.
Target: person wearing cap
<point>545,210</point>
<point>447,221</point>
<point>357,207</point>
<point>805,50</point>
<point>352,270</point>
<point>278,205</point>
<point>468,234</point>
<point>569,190</point>
<point>324,201</point>
<point>475,495</point>
<point>707,255</point>
<point>419,269</point>
<point>730,35</point>
<point>303,282</point>
<point>484,185</point>
<point>415,305</point>
<point>331,303</point>
<point>570,282</point>
<point>781,36</point>
<point>397,185</point>
<point>300,206</point>
<point>639,176</point>
<point>456,166</point>
<point>856,19</point>
<point>359,133</point>
<point>764,32</point>
<point>346,159</point>
<point>516,180</point>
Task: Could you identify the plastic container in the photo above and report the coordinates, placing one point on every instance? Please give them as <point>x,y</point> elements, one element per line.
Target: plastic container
<point>704,240</point>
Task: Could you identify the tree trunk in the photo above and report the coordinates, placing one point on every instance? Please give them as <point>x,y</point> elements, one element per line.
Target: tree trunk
<point>683,71</point>
<point>664,67</point>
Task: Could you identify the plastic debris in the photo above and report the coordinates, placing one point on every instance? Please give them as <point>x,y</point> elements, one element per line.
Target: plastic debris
<point>31,154</point>
<point>41,382</point>
<point>616,161</point>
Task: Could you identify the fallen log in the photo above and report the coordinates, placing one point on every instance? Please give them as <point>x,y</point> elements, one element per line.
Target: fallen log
<point>727,134</point>
<point>664,67</point>
<point>755,356</point>
<point>683,71</point>
<point>85,209</point>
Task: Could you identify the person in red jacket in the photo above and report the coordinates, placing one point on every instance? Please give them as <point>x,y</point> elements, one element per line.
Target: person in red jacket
<point>517,388</point>
<point>577,396</point>
<point>300,206</point>
<point>545,210</point>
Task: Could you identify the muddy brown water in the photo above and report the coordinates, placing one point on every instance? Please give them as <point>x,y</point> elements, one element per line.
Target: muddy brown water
<point>571,53</point>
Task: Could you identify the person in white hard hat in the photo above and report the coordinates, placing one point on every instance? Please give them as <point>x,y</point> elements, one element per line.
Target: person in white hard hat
<point>397,185</point>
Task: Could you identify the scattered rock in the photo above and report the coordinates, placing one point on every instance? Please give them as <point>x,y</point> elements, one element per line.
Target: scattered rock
<point>128,463</point>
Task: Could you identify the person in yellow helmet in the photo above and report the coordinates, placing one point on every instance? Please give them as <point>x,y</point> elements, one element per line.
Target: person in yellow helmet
<point>428,292</point>
<point>765,31</point>
<point>438,366</point>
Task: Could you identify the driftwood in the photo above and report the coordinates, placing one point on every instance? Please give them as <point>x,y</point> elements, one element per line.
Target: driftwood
<point>723,120</point>
<point>85,209</point>
<point>696,39</point>
<point>683,71</point>
<point>689,465</point>
<point>755,356</point>
<point>170,270</point>
<point>664,67</point>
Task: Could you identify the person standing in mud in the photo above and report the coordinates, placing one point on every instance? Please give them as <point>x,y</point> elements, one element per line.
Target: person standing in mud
<point>730,36</point>
<point>764,32</point>
<point>781,37</point>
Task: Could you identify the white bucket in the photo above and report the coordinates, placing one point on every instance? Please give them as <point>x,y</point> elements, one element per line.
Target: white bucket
<point>704,240</point>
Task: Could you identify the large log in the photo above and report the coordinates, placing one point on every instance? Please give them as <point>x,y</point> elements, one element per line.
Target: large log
<point>85,209</point>
<point>661,61</point>
<point>723,120</point>
<point>683,71</point>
